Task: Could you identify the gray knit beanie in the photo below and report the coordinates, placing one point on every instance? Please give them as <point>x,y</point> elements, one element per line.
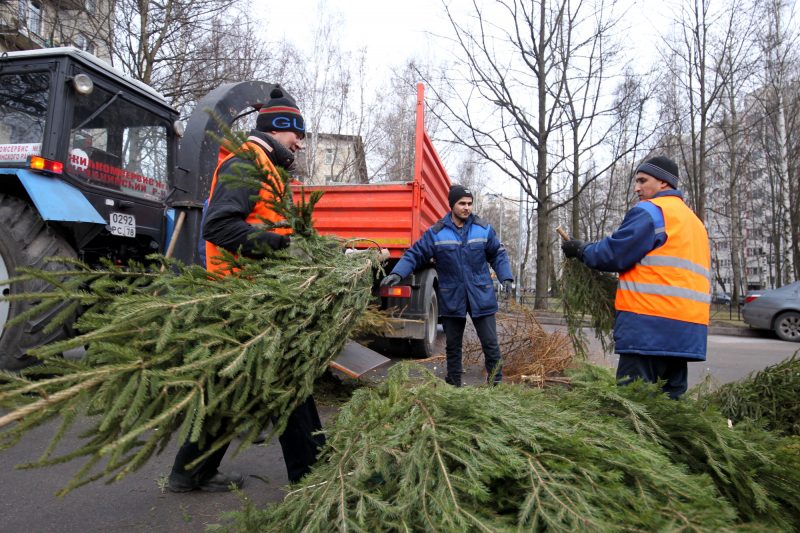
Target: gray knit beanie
<point>662,168</point>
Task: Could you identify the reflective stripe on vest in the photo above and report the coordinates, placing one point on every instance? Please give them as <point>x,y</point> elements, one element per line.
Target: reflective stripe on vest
<point>261,210</point>
<point>673,280</point>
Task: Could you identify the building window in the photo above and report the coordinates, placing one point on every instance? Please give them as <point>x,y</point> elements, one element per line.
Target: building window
<point>329,156</point>
<point>31,12</point>
<point>82,42</point>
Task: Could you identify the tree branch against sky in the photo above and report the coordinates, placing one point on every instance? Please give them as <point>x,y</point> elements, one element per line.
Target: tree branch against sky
<point>529,77</point>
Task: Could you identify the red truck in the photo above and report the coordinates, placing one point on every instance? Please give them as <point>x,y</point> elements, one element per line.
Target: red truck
<point>394,215</point>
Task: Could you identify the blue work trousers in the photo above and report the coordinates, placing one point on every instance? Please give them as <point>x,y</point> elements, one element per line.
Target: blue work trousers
<point>672,371</point>
<point>486,327</point>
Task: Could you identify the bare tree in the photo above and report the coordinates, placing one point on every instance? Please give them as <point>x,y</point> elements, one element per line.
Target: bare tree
<point>780,101</point>
<point>697,59</point>
<point>184,48</point>
<point>735,153</point>
<point>507,92</point>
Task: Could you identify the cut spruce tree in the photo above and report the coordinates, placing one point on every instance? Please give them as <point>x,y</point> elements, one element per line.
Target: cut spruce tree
<point>416,454</point>
<point>769,398</point>
<point>588,296</point>
<point>173,351</point>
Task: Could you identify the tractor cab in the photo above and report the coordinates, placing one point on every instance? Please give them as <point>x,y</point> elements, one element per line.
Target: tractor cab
<point>90,150</point>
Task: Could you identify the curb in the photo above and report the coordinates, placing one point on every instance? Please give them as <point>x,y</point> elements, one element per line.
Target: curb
<point>731,331</point>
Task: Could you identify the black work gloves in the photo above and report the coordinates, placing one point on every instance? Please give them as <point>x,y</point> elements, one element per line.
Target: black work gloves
<point>276,241</point>
<point>391,280</point>
<point>573,248</point>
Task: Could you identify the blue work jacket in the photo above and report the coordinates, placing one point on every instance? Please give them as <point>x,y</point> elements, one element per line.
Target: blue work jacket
<point>642,231</point>
<point>462,258</point>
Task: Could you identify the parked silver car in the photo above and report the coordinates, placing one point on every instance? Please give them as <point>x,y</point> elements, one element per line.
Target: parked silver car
<point>775,309</point>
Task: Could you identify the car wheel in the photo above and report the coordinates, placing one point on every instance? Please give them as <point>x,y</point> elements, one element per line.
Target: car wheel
<point>787,326</point>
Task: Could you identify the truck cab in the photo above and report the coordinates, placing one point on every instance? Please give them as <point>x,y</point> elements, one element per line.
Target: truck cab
<point>87,162</point>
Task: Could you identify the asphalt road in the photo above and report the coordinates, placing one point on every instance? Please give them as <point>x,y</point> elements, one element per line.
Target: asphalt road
<point>729,357</point>
<point>140,502</point>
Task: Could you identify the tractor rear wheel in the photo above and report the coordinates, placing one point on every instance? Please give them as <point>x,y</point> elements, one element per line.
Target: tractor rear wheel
<point>26,241</point>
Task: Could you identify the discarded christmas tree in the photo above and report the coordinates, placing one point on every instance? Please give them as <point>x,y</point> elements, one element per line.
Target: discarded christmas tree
<point>769,398</point>
<point>588,295</point>
<point>418,455</point>
<point>530,354</point>
<point>174,351</point>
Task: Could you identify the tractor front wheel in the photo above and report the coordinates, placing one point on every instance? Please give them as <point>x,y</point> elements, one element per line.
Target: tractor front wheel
<point>26,241</point>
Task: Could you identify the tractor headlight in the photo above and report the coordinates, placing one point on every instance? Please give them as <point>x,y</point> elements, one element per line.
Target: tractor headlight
<point>82,84</point>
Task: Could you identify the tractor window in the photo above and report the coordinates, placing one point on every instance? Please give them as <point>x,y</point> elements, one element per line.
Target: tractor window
<point>23,114</point>
<point>119,145</point>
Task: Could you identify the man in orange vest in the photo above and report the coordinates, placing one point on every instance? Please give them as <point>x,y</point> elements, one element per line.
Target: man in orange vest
<point>229,223</point>
<point>663,299</point>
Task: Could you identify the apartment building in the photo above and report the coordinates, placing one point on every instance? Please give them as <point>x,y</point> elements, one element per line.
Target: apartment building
<point>32,24</point>
<point>332,158</point>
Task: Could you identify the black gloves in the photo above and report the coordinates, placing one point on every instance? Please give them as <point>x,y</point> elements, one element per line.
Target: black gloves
<point>391,280</point>
<point>274,240</point>
<point>507,287</point>
<point>573,248</point>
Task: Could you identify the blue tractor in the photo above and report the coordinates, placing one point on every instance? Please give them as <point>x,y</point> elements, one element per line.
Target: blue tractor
<point>94,164</point>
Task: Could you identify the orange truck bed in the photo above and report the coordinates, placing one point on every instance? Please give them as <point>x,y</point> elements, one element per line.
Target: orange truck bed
<point>391,214</point>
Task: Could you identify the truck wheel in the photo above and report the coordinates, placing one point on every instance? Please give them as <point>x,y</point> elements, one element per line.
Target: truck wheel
<point>426,347</point>
<point>25,240</point>
<point>787,326</point>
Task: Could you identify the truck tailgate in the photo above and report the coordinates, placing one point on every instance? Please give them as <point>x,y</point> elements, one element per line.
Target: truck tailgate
<point>392,214</point>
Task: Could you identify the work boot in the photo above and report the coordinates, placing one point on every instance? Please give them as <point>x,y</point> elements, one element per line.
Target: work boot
<point>455,382</point>
<point>219,482</point>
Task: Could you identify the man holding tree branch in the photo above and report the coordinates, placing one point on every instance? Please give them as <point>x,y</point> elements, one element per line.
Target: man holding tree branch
<point>229,223</point>
<point>661,251</point>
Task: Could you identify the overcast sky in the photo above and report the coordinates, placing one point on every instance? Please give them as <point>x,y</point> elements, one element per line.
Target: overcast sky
<point>391,30</point>
<point>394,31</point>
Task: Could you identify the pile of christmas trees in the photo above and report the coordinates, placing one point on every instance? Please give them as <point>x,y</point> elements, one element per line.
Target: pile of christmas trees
<point>416,454</point>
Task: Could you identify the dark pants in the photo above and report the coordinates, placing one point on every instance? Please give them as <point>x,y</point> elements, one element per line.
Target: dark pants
<point>299,445</point>
<point>486,327</point>
<point>653,368</point>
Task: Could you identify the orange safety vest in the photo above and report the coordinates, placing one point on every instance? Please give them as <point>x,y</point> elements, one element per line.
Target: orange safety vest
<point>261,210</point>
<point>672,281</point>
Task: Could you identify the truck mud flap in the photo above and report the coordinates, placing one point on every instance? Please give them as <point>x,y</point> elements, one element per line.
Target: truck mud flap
<point>356,360</point>
<point>406,328</point>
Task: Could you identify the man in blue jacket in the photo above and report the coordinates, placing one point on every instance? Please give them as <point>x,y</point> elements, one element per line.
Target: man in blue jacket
<point>662,254</point>
<point>463,246</point>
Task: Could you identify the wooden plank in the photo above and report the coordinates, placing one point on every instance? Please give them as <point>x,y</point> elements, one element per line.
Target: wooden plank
<point>356,360</point>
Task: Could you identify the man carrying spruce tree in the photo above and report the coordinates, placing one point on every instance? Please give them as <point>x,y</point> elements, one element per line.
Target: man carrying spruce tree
<point>229,224</point>
<point>663,299</point>
<point>463,246</point>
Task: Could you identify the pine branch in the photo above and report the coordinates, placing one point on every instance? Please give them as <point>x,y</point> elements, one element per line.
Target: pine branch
<point>172,350</point>
<point>415,454</point>
<point>590,294</point>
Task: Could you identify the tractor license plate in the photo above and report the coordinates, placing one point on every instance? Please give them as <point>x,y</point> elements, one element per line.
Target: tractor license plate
<point>122,224</point>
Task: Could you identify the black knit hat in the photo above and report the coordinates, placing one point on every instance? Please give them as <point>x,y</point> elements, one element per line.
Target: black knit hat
<point>281,114</point>
<point>662,168</point>
<point>457,192</point>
